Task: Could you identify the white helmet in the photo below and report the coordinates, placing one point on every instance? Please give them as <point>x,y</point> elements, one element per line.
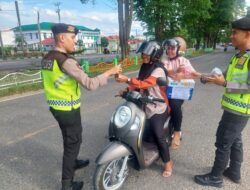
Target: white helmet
<point>178,42</point>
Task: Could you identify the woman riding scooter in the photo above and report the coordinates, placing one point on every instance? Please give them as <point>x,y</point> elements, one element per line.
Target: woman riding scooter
<point>178,68</point>
<point>146,83</point>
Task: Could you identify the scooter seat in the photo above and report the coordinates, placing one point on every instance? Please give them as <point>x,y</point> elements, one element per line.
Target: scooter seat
<point>150,152</point>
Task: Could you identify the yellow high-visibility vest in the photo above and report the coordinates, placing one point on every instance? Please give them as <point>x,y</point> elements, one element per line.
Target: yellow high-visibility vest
<point>62,91</point>
<point>237,73</point>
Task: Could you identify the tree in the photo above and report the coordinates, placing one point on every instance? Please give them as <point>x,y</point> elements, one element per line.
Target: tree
<point>86,1</point>
<point>199,20</point>
<point>221,14</point>
<point>161,17</point>
<point>194,17</point>
<point>125,14</point>
<point>104,42</point>
<point>211,19</point>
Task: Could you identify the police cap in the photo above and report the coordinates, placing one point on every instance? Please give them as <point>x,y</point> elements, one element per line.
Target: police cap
<point>64,28</point>
<point>242,24</point>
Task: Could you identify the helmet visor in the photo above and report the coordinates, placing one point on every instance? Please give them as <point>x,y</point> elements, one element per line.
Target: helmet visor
<point>171,43</point>
<point>147,48</point>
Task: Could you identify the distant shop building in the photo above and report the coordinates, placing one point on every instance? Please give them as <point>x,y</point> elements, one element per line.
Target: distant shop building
<point>114,43</point>
<point>88,38</point>
<point>134,44</point>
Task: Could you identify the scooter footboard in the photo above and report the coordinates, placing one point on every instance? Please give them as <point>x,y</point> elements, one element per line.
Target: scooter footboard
<point>113,151</point>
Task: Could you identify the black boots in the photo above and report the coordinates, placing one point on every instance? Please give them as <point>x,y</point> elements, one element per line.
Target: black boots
<point>81,164</point>
<point>209,180</point>
<point>75,185</point>
<point>232,176</point>
<point>72,185</point>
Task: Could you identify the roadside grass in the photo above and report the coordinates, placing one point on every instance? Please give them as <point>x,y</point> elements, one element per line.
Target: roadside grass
<point>19,89</point>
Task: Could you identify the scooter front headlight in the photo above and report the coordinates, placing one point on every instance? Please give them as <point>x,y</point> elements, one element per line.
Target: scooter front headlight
<point>122,116</point>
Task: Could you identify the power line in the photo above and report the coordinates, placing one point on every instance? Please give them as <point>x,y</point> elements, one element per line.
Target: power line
<point>57,4</point>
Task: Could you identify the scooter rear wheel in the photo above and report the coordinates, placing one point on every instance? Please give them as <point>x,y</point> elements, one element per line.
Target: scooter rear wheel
<point>106,175</point>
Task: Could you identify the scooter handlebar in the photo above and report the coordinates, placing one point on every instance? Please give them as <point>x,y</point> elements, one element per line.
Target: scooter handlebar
<point>159,100</point>
<point>151,99</point>
<point>136,97</point>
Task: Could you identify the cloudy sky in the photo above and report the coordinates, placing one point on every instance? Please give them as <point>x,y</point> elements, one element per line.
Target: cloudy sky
<point>102,15</point>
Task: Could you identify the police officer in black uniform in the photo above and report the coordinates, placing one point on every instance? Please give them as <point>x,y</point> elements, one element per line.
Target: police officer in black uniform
<point>236,105</point>
<point>62,77</point>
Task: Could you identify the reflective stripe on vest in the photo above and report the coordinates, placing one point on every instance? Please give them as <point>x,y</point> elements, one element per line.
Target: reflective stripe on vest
<point>59,81</point>
<point>236,103</point>
<point>63,102</point>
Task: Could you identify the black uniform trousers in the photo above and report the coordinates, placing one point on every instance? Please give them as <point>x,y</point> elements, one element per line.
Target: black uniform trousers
<point>156,129</point>
<point>176,113</point>
<point>229,144</point>
<point>71,128</point>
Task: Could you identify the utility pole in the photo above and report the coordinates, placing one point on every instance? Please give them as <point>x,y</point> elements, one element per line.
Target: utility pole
<point>1,42</point>
<point>39,31</point>
<point>57,4</point>
<point>19,24</point>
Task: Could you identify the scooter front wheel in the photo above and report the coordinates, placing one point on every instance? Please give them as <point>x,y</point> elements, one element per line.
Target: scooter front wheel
<point>112,175</point>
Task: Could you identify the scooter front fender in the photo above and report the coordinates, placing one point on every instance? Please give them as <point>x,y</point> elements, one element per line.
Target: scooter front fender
<point>113,151</point>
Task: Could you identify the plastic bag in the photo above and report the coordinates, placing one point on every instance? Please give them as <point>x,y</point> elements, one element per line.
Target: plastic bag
<point>216,71</point>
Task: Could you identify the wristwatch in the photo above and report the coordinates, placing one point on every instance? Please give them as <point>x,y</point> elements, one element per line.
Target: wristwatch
<point>225,84</point>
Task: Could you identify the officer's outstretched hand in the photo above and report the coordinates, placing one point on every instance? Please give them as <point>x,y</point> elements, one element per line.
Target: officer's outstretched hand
<point>215,79</point>
<point>114,70</point>
<point>121,78</point>
<point>195,75</point>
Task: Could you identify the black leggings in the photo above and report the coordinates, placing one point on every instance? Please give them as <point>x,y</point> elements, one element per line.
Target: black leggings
<point>156,128</point>
<point>176,113</point>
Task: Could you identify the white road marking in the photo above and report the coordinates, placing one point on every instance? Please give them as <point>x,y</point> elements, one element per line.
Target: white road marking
<point>14,97</point>
<point>30,135</point>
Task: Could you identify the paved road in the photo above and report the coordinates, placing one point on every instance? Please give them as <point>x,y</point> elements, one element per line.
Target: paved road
<point>31,144</point>
<point>34,63</point>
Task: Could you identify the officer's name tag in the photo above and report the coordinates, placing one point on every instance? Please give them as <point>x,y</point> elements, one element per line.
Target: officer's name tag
<point>47,65</point>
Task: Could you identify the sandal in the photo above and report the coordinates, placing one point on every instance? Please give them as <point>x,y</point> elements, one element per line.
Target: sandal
<point>176,141</point>
<point>168,172</point>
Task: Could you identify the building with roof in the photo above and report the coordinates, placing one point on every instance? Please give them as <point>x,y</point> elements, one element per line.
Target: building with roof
<point>48,44</point>
<point>113,45</point>
<point>88,37</point>
<point>8,37</point>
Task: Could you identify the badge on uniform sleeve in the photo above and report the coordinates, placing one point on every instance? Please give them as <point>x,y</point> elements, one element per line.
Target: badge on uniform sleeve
<point>47,65</point>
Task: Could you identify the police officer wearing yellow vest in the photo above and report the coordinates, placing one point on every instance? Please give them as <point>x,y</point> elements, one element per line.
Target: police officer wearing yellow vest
<point>236,105</point>
<point>62,77</point>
